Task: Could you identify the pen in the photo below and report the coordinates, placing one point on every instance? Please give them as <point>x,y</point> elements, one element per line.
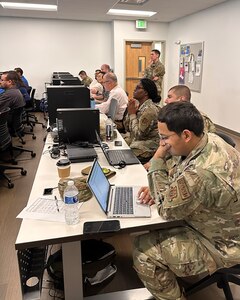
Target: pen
<point>56,199</point>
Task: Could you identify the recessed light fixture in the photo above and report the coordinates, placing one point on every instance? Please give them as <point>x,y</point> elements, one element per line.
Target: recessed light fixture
<point>127,12</point>
<point>29,6</point>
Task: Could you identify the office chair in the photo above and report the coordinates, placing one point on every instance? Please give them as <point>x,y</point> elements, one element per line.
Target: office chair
<point>16,126</point>
<point>6,140</point>
<point>3,168</point>
<point>113,109</point>
<point>226,138</point>
<point>30,119</point>
<point>221,277</point>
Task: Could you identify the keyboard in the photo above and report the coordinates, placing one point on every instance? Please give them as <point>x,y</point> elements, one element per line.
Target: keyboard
<point>116,156</point>
<point>123,202</point>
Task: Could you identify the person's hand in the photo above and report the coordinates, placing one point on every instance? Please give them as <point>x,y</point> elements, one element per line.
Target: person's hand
<point>93,91</point>
<point>155,78</point>
<point>162,151</point>
<point>147,165</point>
<point>144,196</point>
<point>132,106</point>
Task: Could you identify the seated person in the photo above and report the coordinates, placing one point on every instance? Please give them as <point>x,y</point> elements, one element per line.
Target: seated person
<point>23,89</point>
<point>86,80</point>
<point>141,120</point>
<point>183,93</point>
<point>23,78</point>
<point>99,93</point>
<point>12,96</point>
<point>105,68</point>
<point>203,189</point>
<point>94,83</point>
<point>115,91</point>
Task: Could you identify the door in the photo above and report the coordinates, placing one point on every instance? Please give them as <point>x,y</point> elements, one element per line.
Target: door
<point>137,59</point>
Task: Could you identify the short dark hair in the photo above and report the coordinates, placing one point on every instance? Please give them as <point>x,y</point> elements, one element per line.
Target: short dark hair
<point>157,52</point>
<point>182,115</point>
<point>181,90</point>
<point>150,87</point>
<point>19,70</point>
<point>82,73</point>
<point>13,76</point>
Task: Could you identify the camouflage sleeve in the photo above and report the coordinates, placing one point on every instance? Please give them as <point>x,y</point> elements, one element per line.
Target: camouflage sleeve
<point>148,73</point>
<point>179,198</point>
<point>159,71</point>
<point>141,127</point>
<point>126,121</point>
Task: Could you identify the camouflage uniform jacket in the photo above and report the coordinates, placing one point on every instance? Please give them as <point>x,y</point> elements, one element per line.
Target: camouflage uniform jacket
<point>208,124</point>
<point>143,127</point>
<point>156,69</point>
<point>86,82</point>
<point>204,190</point>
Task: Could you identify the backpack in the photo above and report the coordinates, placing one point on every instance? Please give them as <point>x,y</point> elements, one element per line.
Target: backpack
<point>97,263</point>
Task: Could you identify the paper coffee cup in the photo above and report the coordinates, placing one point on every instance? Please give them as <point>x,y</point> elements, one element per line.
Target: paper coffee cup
<point>63,166</point>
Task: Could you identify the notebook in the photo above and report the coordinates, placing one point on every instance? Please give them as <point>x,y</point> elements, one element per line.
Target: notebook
<point>78,154</point>
<point>115,201</point>
<point>114,157</point>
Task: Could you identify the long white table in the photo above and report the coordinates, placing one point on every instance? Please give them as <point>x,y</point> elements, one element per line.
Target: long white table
<point>36,233</point>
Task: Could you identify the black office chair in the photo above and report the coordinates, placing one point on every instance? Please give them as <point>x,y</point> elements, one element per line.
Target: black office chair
<point>226,138</point>
<point>113,109</point>
<point>29,118</point>
<point>15,123</point>
<point>6,140</point>
<point>221,277</point>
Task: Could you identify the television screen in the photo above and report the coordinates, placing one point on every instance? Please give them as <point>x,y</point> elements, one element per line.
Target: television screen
<point>66,97</point>
<point>78,125</point>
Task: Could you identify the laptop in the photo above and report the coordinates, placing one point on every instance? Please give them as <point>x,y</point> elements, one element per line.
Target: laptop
<point>115,157</point>
<point>116,201</point>
<point>78,154</point>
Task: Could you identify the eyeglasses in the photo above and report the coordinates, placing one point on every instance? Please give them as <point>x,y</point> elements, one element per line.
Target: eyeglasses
<point>165,137</point>
<point>138,87</point>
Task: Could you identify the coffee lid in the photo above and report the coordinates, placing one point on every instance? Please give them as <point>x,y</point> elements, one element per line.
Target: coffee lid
<point>63,162</point>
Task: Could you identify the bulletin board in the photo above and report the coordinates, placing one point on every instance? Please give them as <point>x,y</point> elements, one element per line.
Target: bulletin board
<point>191,66</point>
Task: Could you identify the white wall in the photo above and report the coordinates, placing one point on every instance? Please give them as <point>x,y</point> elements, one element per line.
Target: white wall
<point>125,31</point>
<point>218,27</point>
<point>41,46</point>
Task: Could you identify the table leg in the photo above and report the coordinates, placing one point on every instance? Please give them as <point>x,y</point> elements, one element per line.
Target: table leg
<point>72,270</point>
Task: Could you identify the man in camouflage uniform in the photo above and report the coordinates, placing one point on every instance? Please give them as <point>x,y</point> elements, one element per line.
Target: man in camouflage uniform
<point>183,93</point>
<point>141,120</point>
<point>156,70</point>
<point>86,80</point>
<point>203,190</point>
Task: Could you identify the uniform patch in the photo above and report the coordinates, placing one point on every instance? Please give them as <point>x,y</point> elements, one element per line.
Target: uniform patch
<point>172,193</point>
<point>183,189</point>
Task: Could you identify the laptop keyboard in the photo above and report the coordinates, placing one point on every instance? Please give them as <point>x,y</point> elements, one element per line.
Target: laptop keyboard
<point>116,156</point>
<point>123,202</point>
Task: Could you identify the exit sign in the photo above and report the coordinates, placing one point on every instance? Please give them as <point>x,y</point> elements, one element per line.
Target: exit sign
<point>141,24</point>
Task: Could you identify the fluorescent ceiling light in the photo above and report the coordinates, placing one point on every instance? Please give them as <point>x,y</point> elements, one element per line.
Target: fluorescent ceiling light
<point>126,12</point>
<point>29,6</point>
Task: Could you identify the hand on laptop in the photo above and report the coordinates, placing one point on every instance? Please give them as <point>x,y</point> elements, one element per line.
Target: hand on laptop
<point>144,196</point>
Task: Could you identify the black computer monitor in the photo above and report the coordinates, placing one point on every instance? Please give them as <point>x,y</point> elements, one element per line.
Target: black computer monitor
<point>66,97</point>
<point>78,125</point>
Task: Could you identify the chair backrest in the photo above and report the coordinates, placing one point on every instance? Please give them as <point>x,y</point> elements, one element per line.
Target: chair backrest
<point>15,121</point>
<point>113,109</point>
<point>5,138</point>
<point>226,138</point>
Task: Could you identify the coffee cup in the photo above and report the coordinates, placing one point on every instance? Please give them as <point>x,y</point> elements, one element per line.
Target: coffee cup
<point>63,166</point>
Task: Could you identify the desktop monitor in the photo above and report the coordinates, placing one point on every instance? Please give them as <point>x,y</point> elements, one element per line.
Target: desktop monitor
<point>66,97</point>
<point>78,125</point>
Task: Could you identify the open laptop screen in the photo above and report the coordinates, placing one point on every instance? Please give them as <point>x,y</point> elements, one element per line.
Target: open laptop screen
<point>99,185</point>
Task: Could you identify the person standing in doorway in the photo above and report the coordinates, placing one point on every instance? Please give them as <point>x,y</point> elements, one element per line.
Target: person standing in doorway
<point>156,70</point>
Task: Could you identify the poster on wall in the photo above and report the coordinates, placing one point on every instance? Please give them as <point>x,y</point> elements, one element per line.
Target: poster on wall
<point>191,65</point>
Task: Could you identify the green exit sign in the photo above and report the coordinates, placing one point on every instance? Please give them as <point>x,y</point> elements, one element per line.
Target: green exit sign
<point>141,24</point>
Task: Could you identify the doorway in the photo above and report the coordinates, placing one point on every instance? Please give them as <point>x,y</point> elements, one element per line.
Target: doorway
<point>137,59</point>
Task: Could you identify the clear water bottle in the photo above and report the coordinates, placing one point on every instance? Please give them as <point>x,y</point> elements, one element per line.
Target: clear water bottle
<point>109,129</point>
<point>71,203</point>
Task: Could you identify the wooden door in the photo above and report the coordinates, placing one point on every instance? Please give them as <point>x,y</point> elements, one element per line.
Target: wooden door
<point>137,59</point>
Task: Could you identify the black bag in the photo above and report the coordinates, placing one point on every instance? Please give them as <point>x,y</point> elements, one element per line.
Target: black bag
<point>97,263</point>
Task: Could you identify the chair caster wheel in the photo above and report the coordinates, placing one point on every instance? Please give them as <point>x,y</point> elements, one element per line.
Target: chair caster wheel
<point>34,137</point>
<point>33,154</point>
<point>24,172</point>
<point>10,185</point>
